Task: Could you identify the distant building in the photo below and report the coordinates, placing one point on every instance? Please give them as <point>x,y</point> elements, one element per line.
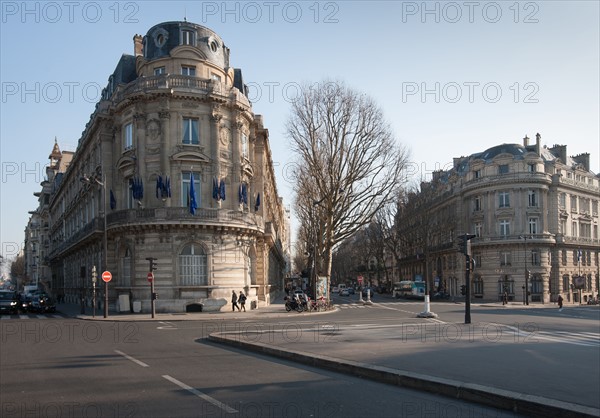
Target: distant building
<point>37,232</point>
<point>172,166</point>
<point>533,209</point>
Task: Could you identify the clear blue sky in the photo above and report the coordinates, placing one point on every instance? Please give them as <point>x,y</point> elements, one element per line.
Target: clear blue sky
<point>452,78</point>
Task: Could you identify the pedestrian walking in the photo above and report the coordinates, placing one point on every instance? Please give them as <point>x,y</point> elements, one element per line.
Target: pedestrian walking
<point>560,302</point>
<point>234,300</point>
<point>242,300</point>
<point>505,299</point>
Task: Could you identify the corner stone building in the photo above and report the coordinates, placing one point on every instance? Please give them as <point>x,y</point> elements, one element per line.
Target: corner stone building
<point>174,127</point>
<point>531,208</point>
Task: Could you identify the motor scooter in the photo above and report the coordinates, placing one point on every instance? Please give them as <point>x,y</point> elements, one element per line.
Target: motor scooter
<point>291,303</point>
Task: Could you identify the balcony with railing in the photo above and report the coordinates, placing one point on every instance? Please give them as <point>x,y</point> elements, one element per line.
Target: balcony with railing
<point>172,83</point>
<point>132,218</point>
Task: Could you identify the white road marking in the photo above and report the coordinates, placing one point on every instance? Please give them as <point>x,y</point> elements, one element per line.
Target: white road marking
<point>128,357</point>
<point>199,394</point>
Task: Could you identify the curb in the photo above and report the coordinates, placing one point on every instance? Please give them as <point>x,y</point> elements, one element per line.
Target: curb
<point>529,405</point>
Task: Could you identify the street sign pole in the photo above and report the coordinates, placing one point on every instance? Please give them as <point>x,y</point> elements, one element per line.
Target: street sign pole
<point>107,277</point>
<point>152,301</point>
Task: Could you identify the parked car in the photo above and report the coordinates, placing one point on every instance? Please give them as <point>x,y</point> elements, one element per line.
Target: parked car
<point>42,304</point>
<point>344,292</point>
<point>350,290</point>
<point>440,296</point>
<point>9,301</point>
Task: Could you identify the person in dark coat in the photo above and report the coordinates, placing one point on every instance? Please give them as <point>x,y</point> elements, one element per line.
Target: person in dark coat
<point>234,300</point>
<point>242,300</point>
<point>560,301</point>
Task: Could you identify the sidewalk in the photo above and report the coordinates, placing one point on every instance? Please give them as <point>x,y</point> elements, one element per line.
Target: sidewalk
<point>275,310</point>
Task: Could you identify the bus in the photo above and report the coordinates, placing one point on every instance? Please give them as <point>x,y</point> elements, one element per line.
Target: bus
<point>409,289</point>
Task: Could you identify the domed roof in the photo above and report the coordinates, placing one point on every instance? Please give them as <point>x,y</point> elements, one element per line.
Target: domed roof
<point>165,36</point>
<point>516,150</point>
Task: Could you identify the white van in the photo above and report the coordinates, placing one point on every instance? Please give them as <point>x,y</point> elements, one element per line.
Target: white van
<point>341,287</point>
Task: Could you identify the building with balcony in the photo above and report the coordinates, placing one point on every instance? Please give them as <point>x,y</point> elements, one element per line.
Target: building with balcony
<point>534,213</point>
<point>37,232</point>
<point>172,166</point>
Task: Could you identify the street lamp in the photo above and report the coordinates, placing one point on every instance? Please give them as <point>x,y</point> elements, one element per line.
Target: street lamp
<point>526,291</point>
<point>102,183</point>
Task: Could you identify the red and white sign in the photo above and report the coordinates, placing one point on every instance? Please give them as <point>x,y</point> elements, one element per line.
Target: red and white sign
<point>107,276</point>
<point>360,279</point>
<point>150,277</point>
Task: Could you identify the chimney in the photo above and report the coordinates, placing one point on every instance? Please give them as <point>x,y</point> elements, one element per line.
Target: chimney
<point>526,141</point>
<point>538,141</point>
<point>138,46</point>
<point>560,151</point>
<point>583,159</point>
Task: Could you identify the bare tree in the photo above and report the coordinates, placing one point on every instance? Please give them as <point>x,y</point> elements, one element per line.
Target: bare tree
<point>350,164</point>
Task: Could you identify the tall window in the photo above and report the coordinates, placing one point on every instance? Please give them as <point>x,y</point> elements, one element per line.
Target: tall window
<point>505,258</point>
<point>478,229</point>
<point>477,174</point>
<point>535,257</point>
<point>564,257</point>
<point>565,283</point>
<point>187,70</point>
<point>128,136</point>
<point>533,225</point>
<point>478,260</point>
<point>190,131</point>
<point>504,227</point>
<point>503,169</point>
<point>244,145</point>
<point>562,201</point>
<point>532,199</point>
<point>531,168</point>
<point>126,269</point>
<point>477,203</point>
<point>185,189</point>
<point>159,70</point>
<point>573,203</point>
<point>503,200</point>
<point>192,266</point>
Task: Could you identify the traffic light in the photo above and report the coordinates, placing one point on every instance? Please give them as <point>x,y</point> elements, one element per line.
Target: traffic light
<point>464,246</point>
<point>463,290</point>
<point>153,265</point>
<point>154,295</point>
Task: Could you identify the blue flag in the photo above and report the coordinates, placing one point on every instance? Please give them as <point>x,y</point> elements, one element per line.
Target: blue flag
<point>113,201</point>
<point>193,204</point>
<point>222,190</point>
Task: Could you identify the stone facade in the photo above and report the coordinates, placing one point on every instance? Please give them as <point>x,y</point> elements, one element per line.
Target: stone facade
<point>533,209</point>
<point>174,119</point>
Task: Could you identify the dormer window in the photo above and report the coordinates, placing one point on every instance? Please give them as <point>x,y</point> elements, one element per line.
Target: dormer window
<point>187,37</point>
<point>503,169</point>
<point>477,174</point>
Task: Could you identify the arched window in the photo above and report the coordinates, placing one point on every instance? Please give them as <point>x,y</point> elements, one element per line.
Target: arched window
<point>126,268</point>
<point>192,266</point>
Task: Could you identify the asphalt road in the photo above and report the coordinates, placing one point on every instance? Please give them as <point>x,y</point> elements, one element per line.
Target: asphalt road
<point>66,367</point>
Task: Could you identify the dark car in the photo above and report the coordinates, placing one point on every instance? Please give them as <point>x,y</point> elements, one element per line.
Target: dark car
<point>350,290</point>
<point>25,303</point>
<point>9,302</point>
<point>366,289</point>
<point>440,296</point>
<point>42,304</point>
